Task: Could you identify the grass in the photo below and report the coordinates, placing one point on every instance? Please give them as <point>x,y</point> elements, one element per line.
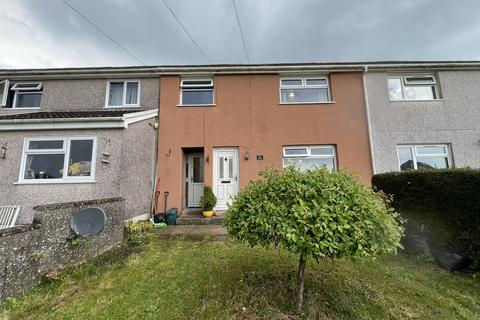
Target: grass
<point>214,280</point>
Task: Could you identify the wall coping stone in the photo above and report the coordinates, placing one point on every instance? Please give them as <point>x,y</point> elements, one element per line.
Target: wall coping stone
<point>76,204</point>
<point>19,229</point>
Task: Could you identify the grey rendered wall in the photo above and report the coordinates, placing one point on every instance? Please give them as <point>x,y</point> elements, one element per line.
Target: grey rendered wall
<point>454,120</point>
<point>137,169</point>
<point>128,174</point>
<point>87,94</point>
<point>90,94</point>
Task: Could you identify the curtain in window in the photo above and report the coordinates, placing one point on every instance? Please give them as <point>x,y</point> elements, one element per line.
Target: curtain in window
<point>116,94</point>
<point>132,93</point>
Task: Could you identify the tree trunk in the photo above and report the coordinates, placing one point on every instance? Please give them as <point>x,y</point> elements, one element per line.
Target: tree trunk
<point>300,281</point>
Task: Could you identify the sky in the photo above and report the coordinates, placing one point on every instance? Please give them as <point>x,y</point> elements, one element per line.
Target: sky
<point>49,34</point>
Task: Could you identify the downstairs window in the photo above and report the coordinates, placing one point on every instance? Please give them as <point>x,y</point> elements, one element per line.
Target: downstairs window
<point>309,157</point>
<point>58,160</point>
<point>423,157</point>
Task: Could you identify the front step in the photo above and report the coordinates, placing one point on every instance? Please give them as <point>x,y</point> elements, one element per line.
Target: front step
<point>198,220</point>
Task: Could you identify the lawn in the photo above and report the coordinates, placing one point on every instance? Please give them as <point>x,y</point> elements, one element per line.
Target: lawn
<point>173,279</point>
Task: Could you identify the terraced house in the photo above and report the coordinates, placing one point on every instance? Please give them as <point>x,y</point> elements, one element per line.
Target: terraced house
<point>141,132</point>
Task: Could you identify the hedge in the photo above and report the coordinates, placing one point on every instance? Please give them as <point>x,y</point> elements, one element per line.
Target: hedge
<point>444,204</point>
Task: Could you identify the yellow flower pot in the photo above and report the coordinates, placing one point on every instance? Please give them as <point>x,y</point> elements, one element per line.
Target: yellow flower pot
<point>208,214</point>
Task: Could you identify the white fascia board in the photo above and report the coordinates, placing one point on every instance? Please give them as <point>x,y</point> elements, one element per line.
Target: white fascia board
<point>134,117</point>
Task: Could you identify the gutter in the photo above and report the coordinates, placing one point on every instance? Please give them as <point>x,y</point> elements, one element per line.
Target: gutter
<point>369,124</point>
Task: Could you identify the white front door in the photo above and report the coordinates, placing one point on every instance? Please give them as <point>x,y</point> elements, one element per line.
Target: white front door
<point>225,175</point>
<point>195,178</point>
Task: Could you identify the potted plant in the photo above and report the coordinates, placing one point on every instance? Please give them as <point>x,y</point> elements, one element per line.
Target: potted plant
<point>208,201</point>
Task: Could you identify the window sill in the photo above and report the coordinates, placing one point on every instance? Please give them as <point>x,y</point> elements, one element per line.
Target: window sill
<point>123,107</point>
<point>10,109</point>
<point>304,103</point>
<point>430,100</point>
<point>196,105</point>
<point>43,181</point>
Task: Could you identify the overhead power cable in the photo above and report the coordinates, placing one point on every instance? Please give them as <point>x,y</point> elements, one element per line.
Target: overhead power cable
<point>241,31</point>
<point>186,32</point>
<point>103,32</point>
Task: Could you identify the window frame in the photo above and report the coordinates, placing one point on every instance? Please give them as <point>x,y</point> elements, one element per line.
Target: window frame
<point>413,150</point>
<point>124,96</point>
<point>65,150</point>
<point>197,87</point>
<point>309,155</point>
<point>6,89</point>
<point>305,86</point>
<point>36,89</point>
<point>403,83</point>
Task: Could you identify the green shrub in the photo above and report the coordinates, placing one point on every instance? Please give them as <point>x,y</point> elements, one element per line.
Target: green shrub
<point>315,214</point>
<point>444,204</point>
<point>208,199</point>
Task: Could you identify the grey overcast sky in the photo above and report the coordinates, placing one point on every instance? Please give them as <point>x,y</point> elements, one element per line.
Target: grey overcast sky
<point>47,33</point>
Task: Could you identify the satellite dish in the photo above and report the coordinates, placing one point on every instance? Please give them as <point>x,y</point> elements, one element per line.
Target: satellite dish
<point>88,221</point>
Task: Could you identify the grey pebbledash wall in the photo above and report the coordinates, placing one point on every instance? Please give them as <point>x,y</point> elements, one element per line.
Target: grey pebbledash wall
<point>453,120</point>
<point>27,252</point>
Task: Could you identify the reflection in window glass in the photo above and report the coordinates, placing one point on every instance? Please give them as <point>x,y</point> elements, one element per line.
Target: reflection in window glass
<point>44,166</point>
<point>28,100</point>
<point>395,89</point>
<point>80,161</point>
<point>431,150</point>
<point>198,169</point>
<point>310,157</point>
<point>309,163</point>
<point>305,95</point>
<point>406,158</point>
<point>433,162</point>
<point>47,144</point>
<point>295,151</point>
<point>419,93</point>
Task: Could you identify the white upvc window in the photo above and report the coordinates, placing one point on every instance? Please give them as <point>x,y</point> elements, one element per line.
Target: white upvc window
<point>196,92</point>
<point>304,90</point>
<point>58,160</point>
<point>4,88</point>
<point>27,95</point>
<point>122,94</point>
<point>432,156</point>
<point>413,87</point>
<point>308,157</point>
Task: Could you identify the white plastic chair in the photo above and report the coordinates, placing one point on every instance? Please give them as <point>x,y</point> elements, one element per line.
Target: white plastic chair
<point>8,216</point>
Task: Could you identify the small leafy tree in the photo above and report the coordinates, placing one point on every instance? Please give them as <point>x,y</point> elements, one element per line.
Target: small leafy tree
<point>208,199</point>
<point>316,214</point>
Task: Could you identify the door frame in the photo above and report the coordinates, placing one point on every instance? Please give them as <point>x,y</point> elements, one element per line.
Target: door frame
<point>188,158</point>
<point>215,170</point>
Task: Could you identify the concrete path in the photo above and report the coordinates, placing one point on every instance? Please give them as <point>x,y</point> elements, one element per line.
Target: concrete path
<point>194,232</point>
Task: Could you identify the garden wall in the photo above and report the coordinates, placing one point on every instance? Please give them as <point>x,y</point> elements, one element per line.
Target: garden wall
<point>27,252</point>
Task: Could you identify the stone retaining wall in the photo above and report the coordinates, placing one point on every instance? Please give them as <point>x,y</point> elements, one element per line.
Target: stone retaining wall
<point>27,252</point>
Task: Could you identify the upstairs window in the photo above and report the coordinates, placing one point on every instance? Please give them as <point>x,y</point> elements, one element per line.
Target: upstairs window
<point>309,157</point>
<point>121,94</point>
<point>58,159</point>
<point>196,92</point>
<point>26,95</point>
<point>423,157</point>
<point>4,87</point>
<point>304,90</point>
<point>416,87</point>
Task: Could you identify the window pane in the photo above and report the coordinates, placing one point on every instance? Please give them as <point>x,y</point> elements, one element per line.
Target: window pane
<point>296,151</point>
<point>395,89</point>
<point>115,97</point>
<point>406,158</point>
<point>431,150</point>
<point>197,83</point>
<point>220,166</point>
<point>28,100</point>
<point>309,163</point>
<point>198,169</point>
<point>419,93</point>
<point>132,93</point>
<point>2,92</point>
<point>316,82</point>
<point>305,95</point>
<point>80,161</point>
<point>44,166</point>
<point>324,151</point>
<point>48,144</point>
<point>197,97</point>
<point>291,82</point>
<point>419,80</point>
<point>230,168</point>
<point>432,162</point>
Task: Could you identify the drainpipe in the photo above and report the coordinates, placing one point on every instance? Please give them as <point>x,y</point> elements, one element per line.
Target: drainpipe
<point>367,109</point>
